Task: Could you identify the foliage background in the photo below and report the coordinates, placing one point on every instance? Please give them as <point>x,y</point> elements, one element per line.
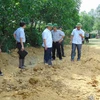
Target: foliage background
<point>36,13</point>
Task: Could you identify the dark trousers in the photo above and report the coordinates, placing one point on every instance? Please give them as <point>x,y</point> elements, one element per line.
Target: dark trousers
<point>19,46</point>
<point>47,56</point>
<point>21,59</point>
<point>87,40</point>
<point>74,46</point>
<point>62,48</point>
<point>56,45</point>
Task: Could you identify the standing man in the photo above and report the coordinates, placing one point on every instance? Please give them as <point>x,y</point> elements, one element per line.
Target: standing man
<point>19,36</point>
<point>47,44</point>
<point>76,40</point>
<point>1,74</point>
<point>58,36</point>
<point>87,37</point>
<point>62,44</point>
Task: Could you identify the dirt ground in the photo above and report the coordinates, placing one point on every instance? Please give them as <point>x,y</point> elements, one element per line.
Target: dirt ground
<point>64,81</point>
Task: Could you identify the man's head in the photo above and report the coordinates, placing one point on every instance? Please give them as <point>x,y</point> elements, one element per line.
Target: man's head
<point>60,28</point>
<point>49,26</point>
<point>22,24</point>
<point>78,26</point>
<point>55,26</point>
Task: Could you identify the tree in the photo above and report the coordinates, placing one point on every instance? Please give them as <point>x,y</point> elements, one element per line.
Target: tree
<point>36,13</point>
<point>87,21</point>
<point>97,19</point>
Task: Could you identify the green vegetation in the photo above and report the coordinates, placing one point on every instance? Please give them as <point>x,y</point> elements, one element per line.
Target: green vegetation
<point>36,13</point>
<point>91,20</point>
<point>87,21</point>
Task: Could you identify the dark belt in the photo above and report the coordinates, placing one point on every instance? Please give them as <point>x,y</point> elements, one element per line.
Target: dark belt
<point>56,42</point>
<point>19,42</point>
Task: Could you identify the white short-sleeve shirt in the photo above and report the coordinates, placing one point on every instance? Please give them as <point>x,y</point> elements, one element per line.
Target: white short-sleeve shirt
<point>77,39</point>
<point>48,37</point>
<point>20,34</point>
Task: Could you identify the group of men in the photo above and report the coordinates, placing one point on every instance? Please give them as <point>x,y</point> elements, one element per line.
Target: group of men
<point>53,38</point>
<point>52,41</point>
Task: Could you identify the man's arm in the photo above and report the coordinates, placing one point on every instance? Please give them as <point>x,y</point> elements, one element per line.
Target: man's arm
<point>72,35</point>
<point>44,40</point>
<point>61,39</point>
<point>14,36</point>
<point>63,35</point>
<point>0,50</point>
<point>81,36</point>
<point>44,36</point>
<point>71,38</point>
<point>21,41</point>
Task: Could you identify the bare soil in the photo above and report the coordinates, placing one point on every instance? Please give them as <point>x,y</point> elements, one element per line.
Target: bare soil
<point>66,80</point>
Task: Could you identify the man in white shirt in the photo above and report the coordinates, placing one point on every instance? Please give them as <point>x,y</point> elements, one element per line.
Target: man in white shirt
<point>77,36</point>
<point>19,36</point>
<point>57,36</point>
<point>47,44</point>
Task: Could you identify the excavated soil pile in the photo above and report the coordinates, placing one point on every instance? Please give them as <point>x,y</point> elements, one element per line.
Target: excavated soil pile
<point>66,80</point>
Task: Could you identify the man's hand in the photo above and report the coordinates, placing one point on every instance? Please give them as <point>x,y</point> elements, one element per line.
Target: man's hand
<point>81,35</point>
<point>0,50</point>
<point>22,49</point>
<point>70,42</point>
<point>60,41</point>
<point>46,48</point>
<point>71,39</point>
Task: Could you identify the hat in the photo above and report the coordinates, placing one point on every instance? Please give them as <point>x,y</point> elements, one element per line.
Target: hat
<point>79,24</point>
<point>55,25</point>
<point>59,27</point>
<point>49,24</point>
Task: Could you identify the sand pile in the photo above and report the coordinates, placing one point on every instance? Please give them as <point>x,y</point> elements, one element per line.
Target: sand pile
<point>64,81</point>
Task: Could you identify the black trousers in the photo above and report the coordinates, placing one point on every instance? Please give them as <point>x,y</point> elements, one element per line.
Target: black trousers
<point>56,45</point>
<point>62,48</point>
<point>87,40</point>
<point>19,46</point>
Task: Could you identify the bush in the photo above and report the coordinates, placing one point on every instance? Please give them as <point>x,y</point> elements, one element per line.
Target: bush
<point>34,38</point>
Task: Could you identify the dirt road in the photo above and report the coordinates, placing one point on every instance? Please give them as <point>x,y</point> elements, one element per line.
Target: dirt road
<point>64,81</point>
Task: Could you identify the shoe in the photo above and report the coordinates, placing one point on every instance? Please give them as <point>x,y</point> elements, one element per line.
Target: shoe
<point>72,60</point>
<point>78,59</point>
<point>1,74</point>
<point>52,59</point>
<point>22,67</point>
<point>60,59</point>
<point>46,64</point>
<point>50,65</point>
<point>63,56</point>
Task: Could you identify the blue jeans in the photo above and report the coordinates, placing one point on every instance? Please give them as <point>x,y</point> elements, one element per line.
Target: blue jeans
<point>47,56</point>
<point>74,46</point>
